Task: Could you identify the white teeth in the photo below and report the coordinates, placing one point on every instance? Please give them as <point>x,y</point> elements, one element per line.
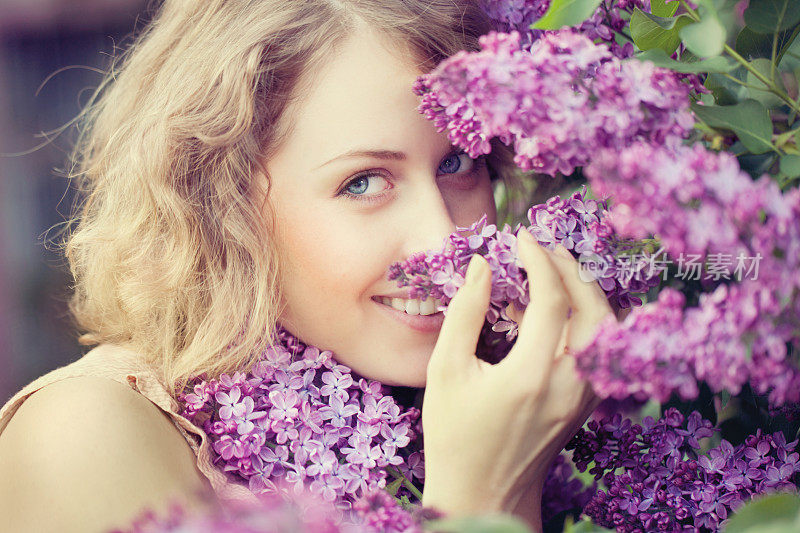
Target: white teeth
<point>427,307</point>
<point>412,307</point>
<point>399,304</point>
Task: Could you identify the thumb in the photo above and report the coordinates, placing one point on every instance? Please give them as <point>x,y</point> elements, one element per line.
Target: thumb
<point>464,319</point>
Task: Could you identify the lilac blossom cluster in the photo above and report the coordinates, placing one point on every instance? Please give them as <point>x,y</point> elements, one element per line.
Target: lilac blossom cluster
<point>300,417</point>
<point>699,202</point>
<point>602,25</point>
<point>557,103</point>
<point>562,492</point>
<point>516,15</point>
<point>582,226</point>
<point>300,512</point>
<point>576,222</point>
<point>719,204</point>
<point>656,478</point>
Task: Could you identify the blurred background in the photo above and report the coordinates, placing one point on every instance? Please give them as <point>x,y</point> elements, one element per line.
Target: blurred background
<point>50,54</point>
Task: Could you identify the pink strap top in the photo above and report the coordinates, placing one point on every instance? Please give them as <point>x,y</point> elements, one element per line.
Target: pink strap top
<point>124,366</point>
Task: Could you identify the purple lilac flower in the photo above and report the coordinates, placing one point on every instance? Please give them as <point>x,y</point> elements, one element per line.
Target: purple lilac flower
<point>564,492</point>
<point>297,512</point>
<point>576,222</point>
<point>718,203</point>
<point>656,479</point>
<point>558,103</point>
<point>296,415</point>
<point>518,15</point>
<point>379,512</point>
<point>743,329</point>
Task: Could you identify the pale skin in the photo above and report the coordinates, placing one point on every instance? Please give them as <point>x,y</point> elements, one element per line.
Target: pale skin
<point>99,452</point>
<point>88,454</point>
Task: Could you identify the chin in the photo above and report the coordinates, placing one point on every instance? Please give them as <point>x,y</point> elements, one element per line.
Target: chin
<point>417,382</point>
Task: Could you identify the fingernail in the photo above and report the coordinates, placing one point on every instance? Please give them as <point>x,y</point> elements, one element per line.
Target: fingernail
<point>526,236</point>
<point>562,251</point>
<point>475,270</point>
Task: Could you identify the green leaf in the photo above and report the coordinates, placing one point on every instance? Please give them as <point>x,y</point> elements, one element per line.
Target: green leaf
<point>651,408</point>
<point>755,164</point>
<point>790,165</point>
<point>649,31</point>
<point>763,94</point>
<point>789,52</point>
<point>749,120</point>
<point>766,514</point>
<point>769,16</point>
<point>727,14</point>
<point>661,59</point>
<point>705,38</point>
<point>725,90</point>
<point>498,523</point>
<point>782,138</point>
<point>660,8</point>
<point>752,45</point>
<point>565,13</point>
<point>726,5</point>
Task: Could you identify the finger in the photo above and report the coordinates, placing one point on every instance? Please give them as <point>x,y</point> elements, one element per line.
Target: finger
<point>565,374</point>
<point>566,378</point>
<point>463,321</point>
<point>587,300</point>
<point>586,297</point>
<point>546,314</point>
<point>562,342</point>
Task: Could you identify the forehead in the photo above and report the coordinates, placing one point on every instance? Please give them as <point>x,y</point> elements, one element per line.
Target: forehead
<point>360,96</point>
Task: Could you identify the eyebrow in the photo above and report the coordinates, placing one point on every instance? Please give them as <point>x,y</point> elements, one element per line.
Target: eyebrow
<point>376,154</point>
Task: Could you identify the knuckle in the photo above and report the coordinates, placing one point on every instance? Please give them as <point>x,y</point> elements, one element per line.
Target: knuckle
<point>576,407</point>
<point>597,316</point>
<point>526,387</point>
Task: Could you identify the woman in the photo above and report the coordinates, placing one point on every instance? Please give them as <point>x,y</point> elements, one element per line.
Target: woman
<point>254,163</point>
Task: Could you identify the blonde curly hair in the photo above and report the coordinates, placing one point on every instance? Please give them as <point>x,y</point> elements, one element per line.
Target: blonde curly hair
<point>169,243</point>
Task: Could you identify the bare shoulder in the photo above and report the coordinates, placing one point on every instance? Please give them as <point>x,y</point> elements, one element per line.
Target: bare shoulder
<point>95,453</point>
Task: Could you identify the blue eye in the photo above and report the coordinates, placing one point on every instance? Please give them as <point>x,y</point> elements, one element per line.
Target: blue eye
<point>453,163</point>
<point>358,186</point>
<point>363,180</point>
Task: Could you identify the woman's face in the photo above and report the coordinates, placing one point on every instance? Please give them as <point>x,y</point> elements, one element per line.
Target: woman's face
<point>362,181</point>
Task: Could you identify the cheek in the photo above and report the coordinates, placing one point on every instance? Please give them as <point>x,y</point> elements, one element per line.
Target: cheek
<point>327,260</point>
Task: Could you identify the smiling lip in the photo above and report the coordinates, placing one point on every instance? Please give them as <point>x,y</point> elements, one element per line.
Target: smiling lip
<point>422,323</point>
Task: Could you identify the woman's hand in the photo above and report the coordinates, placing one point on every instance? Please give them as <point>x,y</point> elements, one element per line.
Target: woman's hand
<point>492,431</point>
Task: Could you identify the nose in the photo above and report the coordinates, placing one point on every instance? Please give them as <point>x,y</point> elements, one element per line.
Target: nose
<point>430,221</point>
